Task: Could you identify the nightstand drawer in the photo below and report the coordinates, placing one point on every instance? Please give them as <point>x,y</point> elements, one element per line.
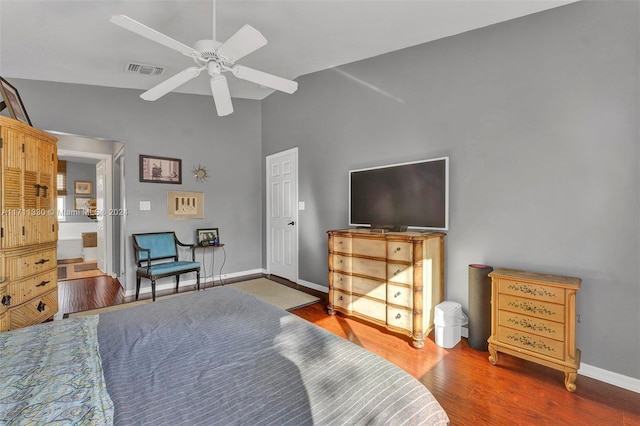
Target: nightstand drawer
<point>544,328</point>
<point>341,281</point>
<point>531,342</point>
<point>399,295</point>
<point>532,291</point>
<point>530,307</point>
<point>368,287</point>
<point>21,291</point>
<point>399,251</point>
<point>35,310</point>
<point>341,263</point>
<point>369,247</point>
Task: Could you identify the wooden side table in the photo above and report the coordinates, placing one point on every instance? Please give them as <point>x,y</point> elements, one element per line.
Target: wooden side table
<point>533,316</point>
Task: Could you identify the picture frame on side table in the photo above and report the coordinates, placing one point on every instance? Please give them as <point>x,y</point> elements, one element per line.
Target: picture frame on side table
<point>12,101</point>
<point>185,205</point>
<point>160,169</point>
<point>207,236</point>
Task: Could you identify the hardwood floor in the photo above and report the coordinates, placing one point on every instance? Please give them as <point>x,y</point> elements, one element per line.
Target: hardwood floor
<point>469,388</point>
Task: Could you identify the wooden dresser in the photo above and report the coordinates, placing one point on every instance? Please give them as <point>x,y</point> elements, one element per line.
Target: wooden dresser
<point>533,316</point>
<point>28,225</point>
<point>394,279</point>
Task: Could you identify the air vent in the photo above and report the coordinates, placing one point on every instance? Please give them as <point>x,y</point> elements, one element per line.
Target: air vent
<point>143,69</point>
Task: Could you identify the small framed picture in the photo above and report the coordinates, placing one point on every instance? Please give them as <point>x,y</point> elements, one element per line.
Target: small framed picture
<point>11,99</point>
<point>82,203</point>
<point>83,187</point>
<point>160,169</point>
<point>208,236</point>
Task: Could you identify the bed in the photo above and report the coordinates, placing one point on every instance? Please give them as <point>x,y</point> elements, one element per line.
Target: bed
<point>215,357</point>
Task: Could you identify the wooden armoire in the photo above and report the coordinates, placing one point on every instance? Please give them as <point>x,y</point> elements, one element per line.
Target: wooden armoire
<point>28,225</point>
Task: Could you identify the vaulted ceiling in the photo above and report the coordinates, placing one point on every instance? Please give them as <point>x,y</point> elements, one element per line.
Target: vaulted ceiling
<point>73,41</point>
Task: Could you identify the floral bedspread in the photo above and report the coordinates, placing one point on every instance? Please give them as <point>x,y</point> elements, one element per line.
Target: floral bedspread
<point>52,374</point>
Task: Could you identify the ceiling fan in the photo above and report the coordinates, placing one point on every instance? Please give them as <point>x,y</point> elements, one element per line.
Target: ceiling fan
<point>214,57</point>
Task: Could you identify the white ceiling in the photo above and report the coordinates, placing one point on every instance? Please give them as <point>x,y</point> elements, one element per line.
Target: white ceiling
<point>73,41</point>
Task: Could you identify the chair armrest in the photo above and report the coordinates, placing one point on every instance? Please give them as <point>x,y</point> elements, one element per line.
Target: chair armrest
<point>138,248</point>
<point>192,247</point>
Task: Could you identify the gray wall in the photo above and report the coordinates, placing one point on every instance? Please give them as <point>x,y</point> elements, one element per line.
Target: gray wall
<point>539,117</point>
<point>78,172</point>
<point>177,126</point>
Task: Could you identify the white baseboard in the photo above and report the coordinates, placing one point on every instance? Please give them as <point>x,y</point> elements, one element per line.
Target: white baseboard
<point>313,286</point>
<point>610,377</point>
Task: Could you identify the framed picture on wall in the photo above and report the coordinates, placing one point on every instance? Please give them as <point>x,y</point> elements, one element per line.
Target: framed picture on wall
<point>83,187</point>
<point>82,203</point>
<point>185,205</point>
<point>11,100</point>
<point>160,169</point>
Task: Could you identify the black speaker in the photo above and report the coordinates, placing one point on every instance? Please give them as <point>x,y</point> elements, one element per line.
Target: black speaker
<point>479,306</point>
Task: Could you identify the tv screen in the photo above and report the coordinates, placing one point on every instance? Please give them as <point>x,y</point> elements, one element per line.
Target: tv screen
<point>413,195</point>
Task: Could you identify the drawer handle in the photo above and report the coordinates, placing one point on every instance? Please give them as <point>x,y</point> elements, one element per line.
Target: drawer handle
<point>43,283</point>
<point>398,249</point>
<point>340,298</point>
<point>398,316</point>
<point>42,261</point>
<point>6,300</point>
<point>41,306</point>
<point>37,187</point>
<point>397,294</point>
<point>396,272</point>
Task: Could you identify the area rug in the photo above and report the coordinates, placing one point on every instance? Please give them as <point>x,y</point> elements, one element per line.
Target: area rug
<point>85,267</point>
<point>278,295</point>
<point>271,292</point>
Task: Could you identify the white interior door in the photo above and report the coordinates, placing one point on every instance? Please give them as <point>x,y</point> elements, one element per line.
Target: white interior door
<point>282,214</point>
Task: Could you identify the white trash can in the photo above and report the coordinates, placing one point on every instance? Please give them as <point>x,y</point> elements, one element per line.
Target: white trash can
<point>448,320</point>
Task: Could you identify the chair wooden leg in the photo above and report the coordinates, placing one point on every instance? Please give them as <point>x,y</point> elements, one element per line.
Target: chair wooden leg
<point>138,287</point>
<point>198,279</point>
<point>153,290</point>
<point>177,282</point>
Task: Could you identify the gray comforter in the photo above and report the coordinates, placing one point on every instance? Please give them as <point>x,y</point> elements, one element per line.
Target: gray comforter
<point>223,357</point>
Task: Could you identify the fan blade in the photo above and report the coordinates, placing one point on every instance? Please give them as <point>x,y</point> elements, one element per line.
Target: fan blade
<point>246,40</point>
<point>264,79</point>
<point>153,35</point>
<point>171,83</point>
<point>221,95</point>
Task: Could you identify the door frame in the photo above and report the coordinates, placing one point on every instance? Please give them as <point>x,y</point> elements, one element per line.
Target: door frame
<point>268,159</point>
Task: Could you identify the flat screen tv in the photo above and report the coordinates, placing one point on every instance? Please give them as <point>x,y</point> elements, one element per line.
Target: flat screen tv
<point>401,196</point>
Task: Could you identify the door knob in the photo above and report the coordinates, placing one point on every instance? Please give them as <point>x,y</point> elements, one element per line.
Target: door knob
<point>291,223</point>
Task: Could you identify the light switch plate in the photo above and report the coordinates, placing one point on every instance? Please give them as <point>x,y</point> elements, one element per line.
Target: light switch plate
<point>300,205</point>
<point>145,205</point>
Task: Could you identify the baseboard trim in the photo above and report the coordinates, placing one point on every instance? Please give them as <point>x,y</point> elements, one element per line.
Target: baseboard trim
<point>313,286</point>
<point>615,379</point>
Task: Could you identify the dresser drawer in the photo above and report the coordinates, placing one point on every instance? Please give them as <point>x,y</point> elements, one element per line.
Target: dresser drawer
<point>368,287</point>
<point>342,300</point>
<point>531,342</point>
<point>369,247</point>
<point>341,281</point>
<point>530,307</point>
<point>342,244</point>
<point>34,311</point>
<point>400,273</point>
<point>21,291</point>
<point>22,266</point>
<point>400,318</point>
<point>400,295</point>
<point>370,308</point>
<point>369,267</point>
<point>532,291</point>
<point>540,327</point>
<point>399,251</point>
<point>341,263</point>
